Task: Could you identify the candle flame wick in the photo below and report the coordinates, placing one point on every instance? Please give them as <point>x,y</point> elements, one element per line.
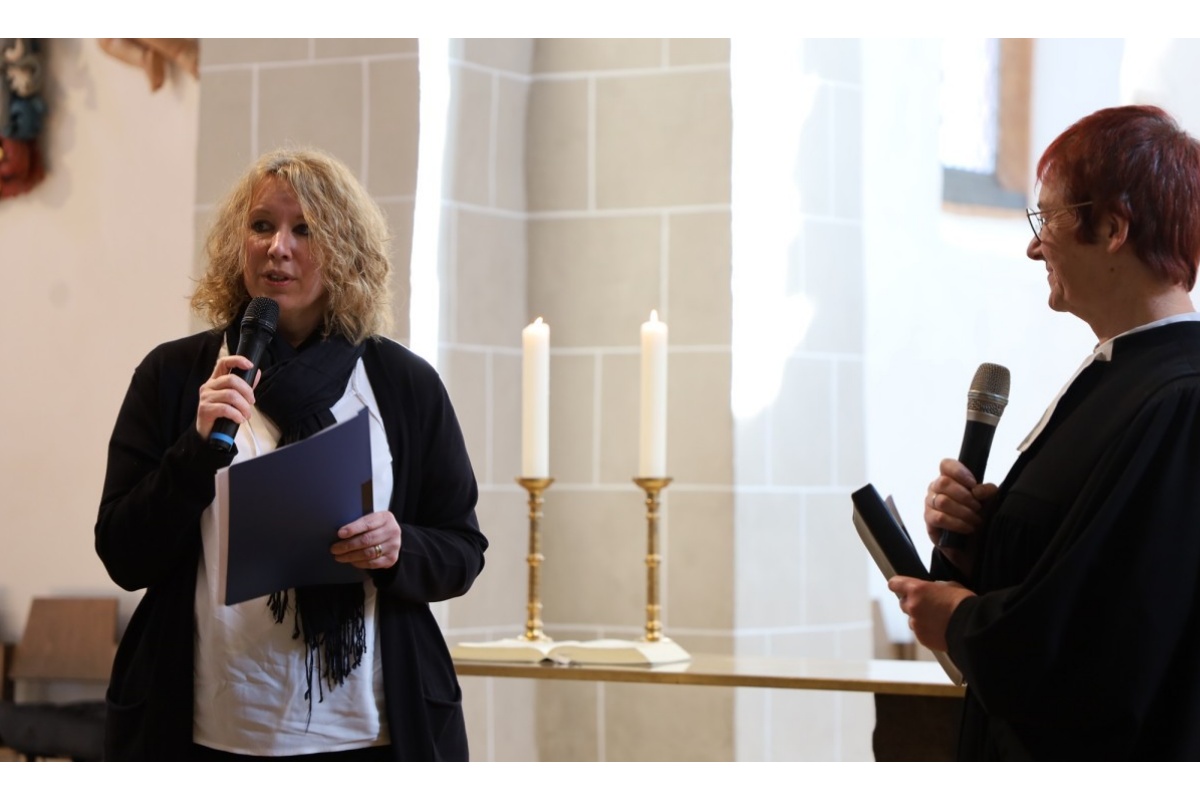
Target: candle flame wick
<point>537,321</point>
<point>654,315</point>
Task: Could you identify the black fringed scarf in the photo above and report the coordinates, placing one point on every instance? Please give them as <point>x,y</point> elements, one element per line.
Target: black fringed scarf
<point>297,391</point>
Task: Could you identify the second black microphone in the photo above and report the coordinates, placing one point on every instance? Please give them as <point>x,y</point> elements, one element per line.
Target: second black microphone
<point>986,400</point>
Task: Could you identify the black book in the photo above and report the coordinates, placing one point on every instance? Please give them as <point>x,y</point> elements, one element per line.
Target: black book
<point>885,536</point>
<point>879,526</point>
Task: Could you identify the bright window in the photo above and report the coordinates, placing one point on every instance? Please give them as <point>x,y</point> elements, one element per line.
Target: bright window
<point>984,132</point>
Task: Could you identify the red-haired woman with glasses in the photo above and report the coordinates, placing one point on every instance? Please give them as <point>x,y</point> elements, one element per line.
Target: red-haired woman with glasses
<point>1068,594</point>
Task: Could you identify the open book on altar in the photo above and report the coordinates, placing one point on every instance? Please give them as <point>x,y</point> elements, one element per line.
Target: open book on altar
<point>597,651</point>
<point>883,533</point>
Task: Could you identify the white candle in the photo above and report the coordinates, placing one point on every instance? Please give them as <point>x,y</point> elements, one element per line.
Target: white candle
<point>652,462</point>
<point>535,397</point>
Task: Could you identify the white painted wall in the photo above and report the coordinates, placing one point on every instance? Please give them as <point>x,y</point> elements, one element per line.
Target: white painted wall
<point>96,262</point>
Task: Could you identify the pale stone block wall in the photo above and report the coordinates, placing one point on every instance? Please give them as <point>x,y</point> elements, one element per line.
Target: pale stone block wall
<point>588,182</point>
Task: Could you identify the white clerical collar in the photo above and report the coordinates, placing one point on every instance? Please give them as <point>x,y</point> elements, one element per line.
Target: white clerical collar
<point>1101,352</point>
<point>1104,350</point>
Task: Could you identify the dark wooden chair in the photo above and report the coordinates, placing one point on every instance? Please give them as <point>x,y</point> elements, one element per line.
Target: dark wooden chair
<point>68,642</point>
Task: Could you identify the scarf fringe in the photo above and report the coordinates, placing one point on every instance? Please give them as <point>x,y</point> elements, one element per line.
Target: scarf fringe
<point>335,644</point>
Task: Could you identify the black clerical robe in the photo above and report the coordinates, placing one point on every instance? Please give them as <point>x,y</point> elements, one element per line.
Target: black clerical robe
<point>1084,639</point>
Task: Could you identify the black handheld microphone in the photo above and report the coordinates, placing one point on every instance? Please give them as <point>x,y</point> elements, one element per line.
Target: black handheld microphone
<point>258,327</point>
<point>986,400</point>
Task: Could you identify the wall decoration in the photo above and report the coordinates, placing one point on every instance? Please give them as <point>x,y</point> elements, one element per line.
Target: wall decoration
<point>153,56</point>
<point>22,111</point>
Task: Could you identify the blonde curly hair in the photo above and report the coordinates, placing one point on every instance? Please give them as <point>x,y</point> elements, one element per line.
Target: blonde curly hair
<point>348,241</point>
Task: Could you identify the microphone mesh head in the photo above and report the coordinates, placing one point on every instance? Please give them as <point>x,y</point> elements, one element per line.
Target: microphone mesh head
<point>263,312</point>
<point>989,390</point>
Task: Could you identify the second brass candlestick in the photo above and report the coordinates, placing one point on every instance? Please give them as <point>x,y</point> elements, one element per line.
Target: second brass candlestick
<point>533,608</point>
<point>653,488</point>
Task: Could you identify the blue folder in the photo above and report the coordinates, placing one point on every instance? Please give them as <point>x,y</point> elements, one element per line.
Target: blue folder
<point>286,506</point>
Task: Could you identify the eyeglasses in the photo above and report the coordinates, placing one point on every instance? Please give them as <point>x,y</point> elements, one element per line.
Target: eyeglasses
<point>1037,217</point>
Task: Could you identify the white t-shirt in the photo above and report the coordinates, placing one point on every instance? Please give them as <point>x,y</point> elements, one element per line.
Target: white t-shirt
<point>250,675</point>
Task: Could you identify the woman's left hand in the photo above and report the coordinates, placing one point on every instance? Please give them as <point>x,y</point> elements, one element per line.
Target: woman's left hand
<point>370,542</point>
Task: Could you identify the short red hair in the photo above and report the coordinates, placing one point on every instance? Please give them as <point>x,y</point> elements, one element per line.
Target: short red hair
<point>1138,163</point>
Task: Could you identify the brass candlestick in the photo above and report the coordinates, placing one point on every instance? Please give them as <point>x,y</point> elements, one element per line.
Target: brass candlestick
<point>533,618</point>
<point>652,487</point>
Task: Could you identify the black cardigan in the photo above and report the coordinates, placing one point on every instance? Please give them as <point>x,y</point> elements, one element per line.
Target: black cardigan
<point>159,481</point>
